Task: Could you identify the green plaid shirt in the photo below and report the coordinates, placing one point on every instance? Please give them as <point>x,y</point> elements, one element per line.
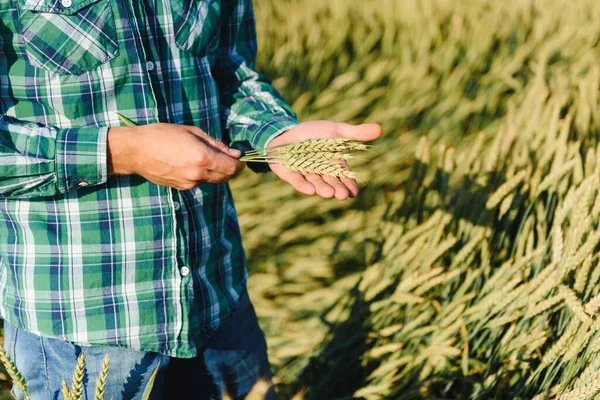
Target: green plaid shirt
<point>117,260</point>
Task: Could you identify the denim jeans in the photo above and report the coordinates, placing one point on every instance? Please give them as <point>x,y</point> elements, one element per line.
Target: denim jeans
<point>233,363</point>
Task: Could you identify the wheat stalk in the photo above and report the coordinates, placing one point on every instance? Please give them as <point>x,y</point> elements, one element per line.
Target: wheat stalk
<point>13,372</point>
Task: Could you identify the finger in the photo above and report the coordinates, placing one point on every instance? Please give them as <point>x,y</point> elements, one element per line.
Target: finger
<point>341,191</point>
<point>351,185</point>
<point>205,176</point>
<point>215,177</point>
<point>323,189</point>
<point>364,132</point>
<point>222,163</point>
<point>216,144</point>
<point>239,168</point>
<point>208,139</point>
<point>296,180</point>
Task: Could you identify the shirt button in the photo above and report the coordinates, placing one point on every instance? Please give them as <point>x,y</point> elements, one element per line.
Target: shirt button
<point>66,3</point>
<point>185,271</point>
<point>176,205</point>
<point>149,64</point>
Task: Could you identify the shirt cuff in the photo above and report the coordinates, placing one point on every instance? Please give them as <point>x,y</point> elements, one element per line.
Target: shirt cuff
<point>81,157</point>
<point>265,133</point>
<point>271,129</point>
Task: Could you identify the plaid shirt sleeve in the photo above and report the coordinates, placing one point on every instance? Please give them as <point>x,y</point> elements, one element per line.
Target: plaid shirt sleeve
<point>254,112</point>
<point>38,160</point>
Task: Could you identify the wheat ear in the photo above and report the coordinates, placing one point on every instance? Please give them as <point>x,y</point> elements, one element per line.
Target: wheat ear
<point>77,382</point>
<point>588,391</point>
<point>101,382</point>
<point>13,372</point>
<point>126,121</point>
<point>321,156</point>
<point>66,392</point>
<point>573,303</point>
<point>310,146</point>
<point>150,384</point>
<point>505,189</point>
<point>314,156</point>
<point>309,165</point>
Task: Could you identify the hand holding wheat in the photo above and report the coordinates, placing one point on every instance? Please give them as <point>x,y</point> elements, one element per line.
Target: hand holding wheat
<point>327,187</point>
<point>172,155</point>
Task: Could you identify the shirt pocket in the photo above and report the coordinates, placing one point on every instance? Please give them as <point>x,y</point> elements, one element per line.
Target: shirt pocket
<point>196,24</point>
<point>68,37</point>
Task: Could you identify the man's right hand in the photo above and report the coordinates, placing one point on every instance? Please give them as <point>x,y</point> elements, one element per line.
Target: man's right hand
<point>171,155</point>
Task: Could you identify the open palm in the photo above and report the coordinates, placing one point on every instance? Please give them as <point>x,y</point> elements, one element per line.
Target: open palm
<point>324,186</point>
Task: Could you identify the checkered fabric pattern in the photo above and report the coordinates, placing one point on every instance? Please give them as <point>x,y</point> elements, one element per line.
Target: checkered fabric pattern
<point>117,260</point>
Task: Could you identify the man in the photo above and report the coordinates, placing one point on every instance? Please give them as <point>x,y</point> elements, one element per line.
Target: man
<point>124,240</point>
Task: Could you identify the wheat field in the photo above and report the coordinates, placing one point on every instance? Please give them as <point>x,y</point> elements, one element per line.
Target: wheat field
<point>468,267</point>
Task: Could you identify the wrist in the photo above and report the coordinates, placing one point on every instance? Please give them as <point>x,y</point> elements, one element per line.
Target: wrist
<point>122,150</point>
<point>279,138</point>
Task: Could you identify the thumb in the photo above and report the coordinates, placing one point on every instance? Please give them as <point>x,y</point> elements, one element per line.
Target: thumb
<point>364,132</point>
<point>216,144</point>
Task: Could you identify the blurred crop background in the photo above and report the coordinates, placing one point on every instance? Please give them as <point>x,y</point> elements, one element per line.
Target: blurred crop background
<point>468,266</point>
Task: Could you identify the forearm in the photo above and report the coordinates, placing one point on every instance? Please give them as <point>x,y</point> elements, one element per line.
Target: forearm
<point>253,111</point>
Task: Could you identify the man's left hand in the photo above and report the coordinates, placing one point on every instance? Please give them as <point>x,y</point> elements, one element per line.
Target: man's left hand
<point>324,186</point>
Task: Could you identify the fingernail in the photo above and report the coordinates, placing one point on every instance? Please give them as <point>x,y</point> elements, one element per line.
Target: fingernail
<point>235,152</point>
